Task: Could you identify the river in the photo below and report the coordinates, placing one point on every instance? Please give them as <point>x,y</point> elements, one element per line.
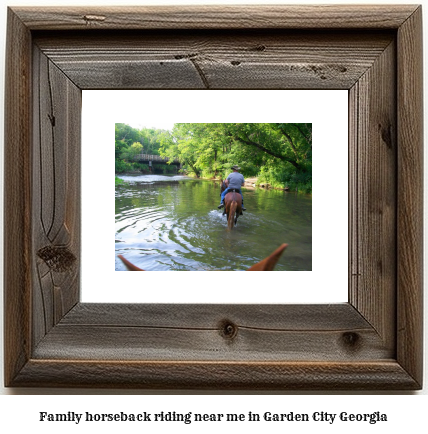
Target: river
<point>172,223</point>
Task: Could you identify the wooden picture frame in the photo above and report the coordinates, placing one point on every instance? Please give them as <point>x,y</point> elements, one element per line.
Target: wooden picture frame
<point>372,342</point>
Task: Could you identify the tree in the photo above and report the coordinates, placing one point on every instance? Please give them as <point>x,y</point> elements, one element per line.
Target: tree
<point>182,145</point>
<point>281,153</point>
<point>277,153</point>
<point>130,141</point>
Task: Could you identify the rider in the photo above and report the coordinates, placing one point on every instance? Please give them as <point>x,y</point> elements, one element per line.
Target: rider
<point>234,180</point>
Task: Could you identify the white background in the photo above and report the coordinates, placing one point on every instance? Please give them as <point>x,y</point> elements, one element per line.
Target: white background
<point>327,110</point>
<point>21,412</point>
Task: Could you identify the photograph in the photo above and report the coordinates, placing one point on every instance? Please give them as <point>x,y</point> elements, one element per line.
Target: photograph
<point>165,208</point>
<point>214,196</point>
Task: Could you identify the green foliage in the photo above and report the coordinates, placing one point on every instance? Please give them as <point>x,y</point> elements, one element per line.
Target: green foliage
<point>122,166</point>
<point>136,148</point>
<point>284,177</point>
<point>130,142</point>
<point>165,169</point>
<point>280,154</point>
<point>118,181</point>
<point>141,167</point>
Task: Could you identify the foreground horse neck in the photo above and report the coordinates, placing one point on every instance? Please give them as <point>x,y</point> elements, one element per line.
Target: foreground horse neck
<point>129,265</point>
<point>266,264</point>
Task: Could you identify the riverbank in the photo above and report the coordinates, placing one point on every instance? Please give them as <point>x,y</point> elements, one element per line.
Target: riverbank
<point>253,183</point>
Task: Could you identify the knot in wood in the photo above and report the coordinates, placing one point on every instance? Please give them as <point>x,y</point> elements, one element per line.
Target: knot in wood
<point>386,134</point>
<point>89,18</point>
<point>351,340</point>
<point>58,259</point>
<point>228,330</point>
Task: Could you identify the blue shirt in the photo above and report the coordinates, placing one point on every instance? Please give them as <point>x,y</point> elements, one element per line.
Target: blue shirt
<point>235,180</point>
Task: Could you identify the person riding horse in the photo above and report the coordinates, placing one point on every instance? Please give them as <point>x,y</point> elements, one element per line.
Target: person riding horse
<point>234,181</point>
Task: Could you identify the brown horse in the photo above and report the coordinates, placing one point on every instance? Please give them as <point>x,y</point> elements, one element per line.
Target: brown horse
<point>266,264</point>
<point>232,205</point>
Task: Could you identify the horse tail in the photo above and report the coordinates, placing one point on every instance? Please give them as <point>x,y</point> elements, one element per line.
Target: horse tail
<point>231,216</point>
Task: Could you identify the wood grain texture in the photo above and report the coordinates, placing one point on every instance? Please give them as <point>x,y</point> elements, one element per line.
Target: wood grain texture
<point>372,342</point>
<point>56,194</point>
<point>216,59</point>
<point>199,332</point>
<point>217,17</point>
<point>373,177</point>
<point>410,196</point>
<point>17,198</point>
<point>210,316</point>
<point>385,375</point>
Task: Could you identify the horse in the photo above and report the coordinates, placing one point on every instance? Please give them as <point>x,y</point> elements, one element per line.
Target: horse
<point>267,264</point>
<point>232,205</point>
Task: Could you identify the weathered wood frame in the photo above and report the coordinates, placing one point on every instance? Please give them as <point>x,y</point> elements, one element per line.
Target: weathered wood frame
<point>372,342</point>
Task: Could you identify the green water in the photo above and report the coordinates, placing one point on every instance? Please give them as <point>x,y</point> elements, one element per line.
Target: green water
<point>172,223</point>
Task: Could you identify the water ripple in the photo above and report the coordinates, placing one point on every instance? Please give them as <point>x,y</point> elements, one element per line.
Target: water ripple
<point>172,223</point>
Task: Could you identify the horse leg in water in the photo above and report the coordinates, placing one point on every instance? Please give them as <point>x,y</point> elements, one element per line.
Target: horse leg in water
<point>266,264</point>
<point>231,215</point>
<point>233,208</point>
